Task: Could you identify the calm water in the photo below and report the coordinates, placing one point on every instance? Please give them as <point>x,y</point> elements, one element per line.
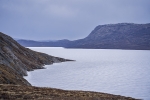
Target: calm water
<point>120,72</point>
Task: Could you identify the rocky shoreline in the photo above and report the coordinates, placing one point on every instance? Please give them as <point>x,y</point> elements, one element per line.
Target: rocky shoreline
<point>16,60</point>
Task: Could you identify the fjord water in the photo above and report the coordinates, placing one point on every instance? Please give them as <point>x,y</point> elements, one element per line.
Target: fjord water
<point>120,72</point>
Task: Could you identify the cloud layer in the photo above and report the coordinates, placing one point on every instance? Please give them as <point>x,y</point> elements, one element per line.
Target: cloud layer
<point>71,19</point>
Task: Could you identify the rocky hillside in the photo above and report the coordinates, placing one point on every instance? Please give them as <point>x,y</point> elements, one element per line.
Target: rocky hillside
<point>15,61</point>
<point>111,36</point>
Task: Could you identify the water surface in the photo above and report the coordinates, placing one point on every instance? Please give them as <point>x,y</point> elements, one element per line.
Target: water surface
<point>120,72</point>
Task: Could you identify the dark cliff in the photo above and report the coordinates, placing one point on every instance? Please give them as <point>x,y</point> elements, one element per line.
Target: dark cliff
<point>15,61</point>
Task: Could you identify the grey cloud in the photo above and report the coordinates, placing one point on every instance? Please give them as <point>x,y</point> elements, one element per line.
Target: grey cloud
<point>72,19</point>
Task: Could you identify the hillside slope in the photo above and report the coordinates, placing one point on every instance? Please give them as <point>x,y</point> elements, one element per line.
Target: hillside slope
<point>117,36</point>
<point>15,61</point>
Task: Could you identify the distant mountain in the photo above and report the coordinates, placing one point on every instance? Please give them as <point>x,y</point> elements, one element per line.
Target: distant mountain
<point>117,36</point>
<point>32,43</point>
<point>110,36</point>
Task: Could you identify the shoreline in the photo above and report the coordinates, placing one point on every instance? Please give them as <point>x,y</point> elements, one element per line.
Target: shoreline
<point>81,91</point>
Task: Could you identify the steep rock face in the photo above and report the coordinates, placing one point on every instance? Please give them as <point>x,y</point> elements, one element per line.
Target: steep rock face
<point>19,60</point>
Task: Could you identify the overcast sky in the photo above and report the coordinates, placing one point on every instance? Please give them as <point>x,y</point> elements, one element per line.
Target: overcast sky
<point>67,19</point>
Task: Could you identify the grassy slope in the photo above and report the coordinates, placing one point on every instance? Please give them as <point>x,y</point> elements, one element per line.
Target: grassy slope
<point>14,92</point>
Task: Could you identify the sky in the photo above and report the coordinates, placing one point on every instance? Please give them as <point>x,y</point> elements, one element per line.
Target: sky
<point>67,19</point>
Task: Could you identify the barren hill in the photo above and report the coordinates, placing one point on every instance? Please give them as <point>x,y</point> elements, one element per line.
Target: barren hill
<point>16,60</point>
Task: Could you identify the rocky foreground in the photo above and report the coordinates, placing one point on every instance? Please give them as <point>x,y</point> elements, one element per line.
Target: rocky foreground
<point>14,92</point>
<point>15,61</point>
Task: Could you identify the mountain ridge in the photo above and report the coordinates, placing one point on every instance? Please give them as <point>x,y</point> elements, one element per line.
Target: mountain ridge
<point>110,36</point>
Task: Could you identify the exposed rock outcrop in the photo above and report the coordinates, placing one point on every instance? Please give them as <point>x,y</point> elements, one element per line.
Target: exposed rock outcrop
<point>17,60</point>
